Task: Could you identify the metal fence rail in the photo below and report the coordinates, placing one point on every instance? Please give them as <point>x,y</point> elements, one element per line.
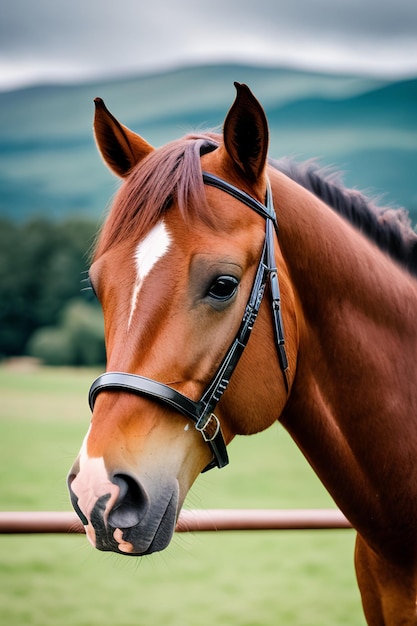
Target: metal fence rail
<point>189,520</point>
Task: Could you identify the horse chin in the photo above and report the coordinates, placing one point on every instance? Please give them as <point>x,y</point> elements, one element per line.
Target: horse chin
<point>152,533</point>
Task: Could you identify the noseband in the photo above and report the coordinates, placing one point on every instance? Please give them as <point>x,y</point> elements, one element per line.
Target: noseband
<point>201,412</point>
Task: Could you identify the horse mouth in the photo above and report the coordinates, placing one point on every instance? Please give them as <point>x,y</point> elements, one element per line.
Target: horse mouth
<point>166,527</point>
<point>152,533</point>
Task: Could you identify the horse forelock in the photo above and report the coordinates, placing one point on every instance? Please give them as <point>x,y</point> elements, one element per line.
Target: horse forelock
<point>173,173</point>
<point>170,173</point>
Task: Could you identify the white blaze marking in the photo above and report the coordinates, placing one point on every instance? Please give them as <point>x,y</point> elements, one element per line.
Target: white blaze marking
<point>148,252</point>
<point>91,485</point>
<point>92,482</point>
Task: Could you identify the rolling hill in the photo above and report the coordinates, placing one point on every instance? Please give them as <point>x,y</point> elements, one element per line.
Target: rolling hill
<point>365,127</point>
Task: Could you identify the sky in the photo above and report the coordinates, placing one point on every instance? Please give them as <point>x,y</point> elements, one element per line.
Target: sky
<point>56,41</point>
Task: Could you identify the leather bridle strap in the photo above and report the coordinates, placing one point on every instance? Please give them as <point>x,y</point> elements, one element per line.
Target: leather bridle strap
<point>267,211</point>
<point>201,412</point>
<point>148,388</point>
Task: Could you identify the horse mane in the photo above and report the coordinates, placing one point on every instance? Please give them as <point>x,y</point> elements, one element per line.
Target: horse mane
<point>174,172</point>
<point>389,228</point>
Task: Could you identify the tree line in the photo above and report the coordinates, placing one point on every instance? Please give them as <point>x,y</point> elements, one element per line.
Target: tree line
<point>43,311</point>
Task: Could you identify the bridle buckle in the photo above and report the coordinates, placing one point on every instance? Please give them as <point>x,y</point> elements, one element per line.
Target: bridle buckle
<point>210,428</point>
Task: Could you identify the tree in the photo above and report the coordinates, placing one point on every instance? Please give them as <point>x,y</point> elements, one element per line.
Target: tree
<point>41,266</point>
<point>77,340</point>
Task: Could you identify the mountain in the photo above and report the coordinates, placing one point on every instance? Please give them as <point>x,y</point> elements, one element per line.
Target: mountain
<point>364,127</point>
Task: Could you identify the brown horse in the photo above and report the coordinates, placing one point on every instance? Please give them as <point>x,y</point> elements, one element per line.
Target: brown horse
<point>190,251</point>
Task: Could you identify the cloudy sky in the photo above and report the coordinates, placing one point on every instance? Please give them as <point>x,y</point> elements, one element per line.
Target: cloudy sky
<point>65,41</point>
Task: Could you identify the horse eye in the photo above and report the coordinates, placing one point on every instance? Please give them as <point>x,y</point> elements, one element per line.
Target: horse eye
<point>223,288</point>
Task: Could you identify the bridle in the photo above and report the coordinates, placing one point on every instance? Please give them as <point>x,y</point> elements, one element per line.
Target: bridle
<point>201,411</point>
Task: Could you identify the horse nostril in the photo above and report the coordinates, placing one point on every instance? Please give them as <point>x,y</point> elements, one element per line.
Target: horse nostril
<point>131,505</point>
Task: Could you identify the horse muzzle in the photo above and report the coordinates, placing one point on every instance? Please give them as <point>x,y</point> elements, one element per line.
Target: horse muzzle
<point>124,515</point>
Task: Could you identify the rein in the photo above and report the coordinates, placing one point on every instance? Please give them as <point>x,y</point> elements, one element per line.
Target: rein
<point>201,411</point>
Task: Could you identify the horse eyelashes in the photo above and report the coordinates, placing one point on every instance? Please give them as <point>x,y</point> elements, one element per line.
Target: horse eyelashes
<point>87,286</point>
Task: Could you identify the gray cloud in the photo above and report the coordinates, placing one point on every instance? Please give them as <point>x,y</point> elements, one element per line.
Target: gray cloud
<point>47,39</point>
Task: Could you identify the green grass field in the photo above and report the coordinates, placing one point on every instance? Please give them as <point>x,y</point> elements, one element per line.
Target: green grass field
<point>297,578</point>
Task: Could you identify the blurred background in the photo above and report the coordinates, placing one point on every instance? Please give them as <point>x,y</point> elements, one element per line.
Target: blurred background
<point>338,81</point>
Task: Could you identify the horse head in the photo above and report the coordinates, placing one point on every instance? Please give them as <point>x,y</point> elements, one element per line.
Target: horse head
<point>176,267</point>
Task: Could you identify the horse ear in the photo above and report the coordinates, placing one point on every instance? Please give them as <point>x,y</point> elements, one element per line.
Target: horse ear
<point>245,134</point>
<point>120,147</point>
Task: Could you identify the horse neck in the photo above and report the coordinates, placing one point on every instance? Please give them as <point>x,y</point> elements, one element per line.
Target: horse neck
<point>334,267</point>
<point>357,347</point>
<point>324,251</point>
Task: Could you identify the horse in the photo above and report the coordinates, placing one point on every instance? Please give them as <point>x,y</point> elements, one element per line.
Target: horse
<point>238,291</point>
